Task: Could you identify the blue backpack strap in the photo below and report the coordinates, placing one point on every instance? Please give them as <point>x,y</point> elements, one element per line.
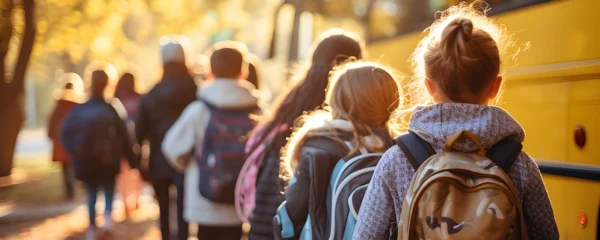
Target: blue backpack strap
<point>416,150</point>
<point>284,227</point>
<point>504,153</point>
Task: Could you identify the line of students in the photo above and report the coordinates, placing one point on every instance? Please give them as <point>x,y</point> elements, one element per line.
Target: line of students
<point>458,67</point>
<point>285,190</point>
<point>81,128</point>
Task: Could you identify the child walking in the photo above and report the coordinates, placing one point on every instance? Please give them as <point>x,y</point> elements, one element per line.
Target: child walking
<point>69,97</point>
<point>362,96</point>
<point>207,143</point>
<point>458,63</point>
<point>259,187</point>
<point>96,138</point>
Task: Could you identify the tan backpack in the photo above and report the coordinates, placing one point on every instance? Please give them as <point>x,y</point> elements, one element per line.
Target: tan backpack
<point>456,195</point>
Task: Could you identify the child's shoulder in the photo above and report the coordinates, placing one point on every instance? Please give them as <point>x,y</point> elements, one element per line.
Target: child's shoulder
<point>395,158</point>
<point>395,166</point>
<point>524,164</point>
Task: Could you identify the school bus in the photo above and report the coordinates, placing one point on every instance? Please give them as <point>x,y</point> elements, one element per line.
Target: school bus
<point>552,89</point>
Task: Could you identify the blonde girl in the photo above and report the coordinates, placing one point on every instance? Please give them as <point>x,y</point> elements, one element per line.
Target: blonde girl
<point>361,98</point>
<point>459,64</point>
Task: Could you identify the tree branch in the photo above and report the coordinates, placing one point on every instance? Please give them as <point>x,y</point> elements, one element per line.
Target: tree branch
<point>5,37</point>
<point>18,81</point>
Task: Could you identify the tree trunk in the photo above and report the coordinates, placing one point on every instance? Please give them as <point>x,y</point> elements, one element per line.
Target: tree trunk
<point>12,91</point>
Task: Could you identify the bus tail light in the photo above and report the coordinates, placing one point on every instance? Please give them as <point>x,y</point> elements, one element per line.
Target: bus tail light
<point>580,136</point>
<point>582,220</point>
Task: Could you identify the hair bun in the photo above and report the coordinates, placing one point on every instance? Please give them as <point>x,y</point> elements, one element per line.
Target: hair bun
<point>466,26</point>
<point>455,36</point>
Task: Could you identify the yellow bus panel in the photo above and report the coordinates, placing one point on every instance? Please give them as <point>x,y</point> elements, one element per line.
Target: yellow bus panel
<point>552,88</point>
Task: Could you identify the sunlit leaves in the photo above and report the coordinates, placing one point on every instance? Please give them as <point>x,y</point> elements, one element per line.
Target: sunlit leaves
<point>72,33</point>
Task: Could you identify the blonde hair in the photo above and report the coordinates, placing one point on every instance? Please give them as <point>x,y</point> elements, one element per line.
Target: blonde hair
<point>363,93</point>
<point>462,54</point>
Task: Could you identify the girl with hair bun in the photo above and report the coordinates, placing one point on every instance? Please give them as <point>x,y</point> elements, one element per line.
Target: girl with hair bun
<point>458,65</point>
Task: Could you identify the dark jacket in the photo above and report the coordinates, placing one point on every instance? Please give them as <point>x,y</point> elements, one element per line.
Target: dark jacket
<point>158,110</point>
<point>87,170</point>
<point>268,195</point>
<point>61,110</point>
<point>307,194</point>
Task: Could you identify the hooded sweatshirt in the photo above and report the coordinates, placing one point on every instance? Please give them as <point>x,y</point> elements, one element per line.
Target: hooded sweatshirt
<point>383,201</point>
<point>185,136</point>
<point>62,108</point>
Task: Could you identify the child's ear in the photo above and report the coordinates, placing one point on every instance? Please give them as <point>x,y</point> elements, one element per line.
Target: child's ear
<point>209,75</point>
<point>432,89</point>
<point>495,89</point>
<point>243,75</point>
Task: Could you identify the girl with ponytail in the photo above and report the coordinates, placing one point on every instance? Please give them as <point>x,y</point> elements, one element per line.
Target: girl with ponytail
<point>361,99</point>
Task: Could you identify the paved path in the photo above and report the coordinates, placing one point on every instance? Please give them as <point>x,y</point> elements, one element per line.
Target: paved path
<point>32,204</point>
<point>37,210</point>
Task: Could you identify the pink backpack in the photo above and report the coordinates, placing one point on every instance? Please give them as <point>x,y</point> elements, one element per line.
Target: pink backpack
<point>245,188</point>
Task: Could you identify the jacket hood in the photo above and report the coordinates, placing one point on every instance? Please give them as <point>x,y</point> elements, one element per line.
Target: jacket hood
<point>328,130</point>
<point>436,123</point>
<point>169,91</point>
<point>335,129</point>
<point>228,93</point>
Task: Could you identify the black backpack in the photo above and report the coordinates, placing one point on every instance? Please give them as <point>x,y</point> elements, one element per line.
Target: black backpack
<point>348,184</point>
<point>90,135</point>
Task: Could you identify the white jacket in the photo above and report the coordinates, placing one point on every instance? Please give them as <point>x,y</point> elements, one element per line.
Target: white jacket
<point>188,131</point>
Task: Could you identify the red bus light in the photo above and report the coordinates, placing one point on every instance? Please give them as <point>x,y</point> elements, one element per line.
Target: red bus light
<point>580,136</point>
<point>582,220</point>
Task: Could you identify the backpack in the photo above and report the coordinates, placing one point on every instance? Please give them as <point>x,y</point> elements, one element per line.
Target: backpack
<point>245,188</point>
<point>222,155</point>
<point>456,195</point>
<point>347,187</point>
<point>90,135</point>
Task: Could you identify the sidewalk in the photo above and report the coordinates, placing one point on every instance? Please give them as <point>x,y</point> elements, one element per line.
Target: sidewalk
<point>37,210</point>
<point>33,206</point>
<point>32,203</point>
<point>32,158</point>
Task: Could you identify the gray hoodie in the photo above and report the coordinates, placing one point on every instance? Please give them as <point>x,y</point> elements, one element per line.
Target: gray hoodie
<point>435,124</point>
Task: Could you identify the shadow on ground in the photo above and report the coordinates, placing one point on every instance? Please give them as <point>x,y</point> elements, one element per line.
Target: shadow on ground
<point>125,230</point>
<point>38,210</point>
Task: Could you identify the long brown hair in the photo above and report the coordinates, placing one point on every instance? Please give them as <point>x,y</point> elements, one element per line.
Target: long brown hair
<point>362,93</point>
<point>333,47</point>
<point>126,86</point>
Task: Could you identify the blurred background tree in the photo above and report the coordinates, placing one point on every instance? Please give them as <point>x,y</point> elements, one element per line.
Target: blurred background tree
<point>68,35</point>
<point>12,76</point>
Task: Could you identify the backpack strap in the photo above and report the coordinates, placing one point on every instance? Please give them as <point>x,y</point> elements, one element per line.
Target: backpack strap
<point>208,105</point>
<point>504,153</point>
<point>414,148</point>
